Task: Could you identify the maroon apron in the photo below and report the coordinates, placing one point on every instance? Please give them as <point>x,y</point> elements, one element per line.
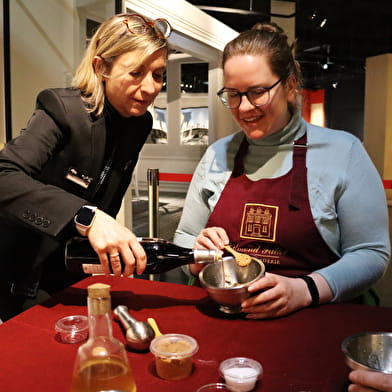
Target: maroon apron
<point>271,219</point>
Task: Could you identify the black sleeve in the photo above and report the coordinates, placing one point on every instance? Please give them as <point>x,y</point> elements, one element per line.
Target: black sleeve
<point>24,199</point>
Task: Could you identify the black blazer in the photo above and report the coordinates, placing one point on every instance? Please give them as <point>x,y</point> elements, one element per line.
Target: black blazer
<point>40,191</point>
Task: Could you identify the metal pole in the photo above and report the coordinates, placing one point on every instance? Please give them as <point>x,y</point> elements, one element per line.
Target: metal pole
<point>153,202</point>
<point>153,205</point>
<point>7,70</point>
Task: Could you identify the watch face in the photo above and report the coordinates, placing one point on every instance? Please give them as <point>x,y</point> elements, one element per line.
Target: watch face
<point>85,216</point>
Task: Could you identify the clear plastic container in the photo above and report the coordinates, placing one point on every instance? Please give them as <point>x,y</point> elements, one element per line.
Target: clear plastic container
<point>213,388</point>
<point>240,374</point>
<point>174,355</point>
<point>72,329</point>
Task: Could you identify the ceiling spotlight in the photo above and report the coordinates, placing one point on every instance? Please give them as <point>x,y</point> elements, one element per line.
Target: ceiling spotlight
<point>323,23</point>
<point>335,84</point>
<point>318,18</point>
<point>325,66</point>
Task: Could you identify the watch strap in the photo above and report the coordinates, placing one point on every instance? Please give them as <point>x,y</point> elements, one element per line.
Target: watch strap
<point>313,290</point>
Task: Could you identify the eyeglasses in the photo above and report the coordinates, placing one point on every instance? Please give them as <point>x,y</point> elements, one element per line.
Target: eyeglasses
<point>257,96</point>
<point>139,26</point>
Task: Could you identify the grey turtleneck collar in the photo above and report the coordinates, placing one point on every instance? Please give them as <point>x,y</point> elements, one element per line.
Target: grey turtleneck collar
<point>265,156</point>
<point>286,136</point>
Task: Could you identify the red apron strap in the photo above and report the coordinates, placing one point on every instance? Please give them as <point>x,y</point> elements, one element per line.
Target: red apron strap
<point>299,174</point>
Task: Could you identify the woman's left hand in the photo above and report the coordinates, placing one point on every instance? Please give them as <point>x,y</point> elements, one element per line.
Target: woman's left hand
<point>279,296</point>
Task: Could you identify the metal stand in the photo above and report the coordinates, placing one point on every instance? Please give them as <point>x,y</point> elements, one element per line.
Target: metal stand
<point>153,204</point>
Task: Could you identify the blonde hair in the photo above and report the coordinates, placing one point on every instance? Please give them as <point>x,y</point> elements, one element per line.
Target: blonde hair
<point>111,40</point>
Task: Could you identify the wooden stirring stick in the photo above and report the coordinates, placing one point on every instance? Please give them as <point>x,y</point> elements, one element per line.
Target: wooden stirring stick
<point>242,259</point>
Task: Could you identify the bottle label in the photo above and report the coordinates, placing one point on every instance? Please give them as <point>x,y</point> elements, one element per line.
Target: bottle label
<point>92,268</point>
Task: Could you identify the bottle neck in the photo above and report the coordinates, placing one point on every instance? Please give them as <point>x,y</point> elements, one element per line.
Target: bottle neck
<point>99,317</point>
<point>206,256</point>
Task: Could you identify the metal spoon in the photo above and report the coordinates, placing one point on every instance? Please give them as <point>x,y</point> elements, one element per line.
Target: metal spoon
<point>138,333</point>
<point>242,259</point>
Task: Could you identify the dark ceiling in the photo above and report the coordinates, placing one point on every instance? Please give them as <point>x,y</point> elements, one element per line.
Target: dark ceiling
<point>353,30</point>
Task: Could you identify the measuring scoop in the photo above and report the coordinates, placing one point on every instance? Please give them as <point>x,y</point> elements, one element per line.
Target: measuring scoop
<point>154,326</point>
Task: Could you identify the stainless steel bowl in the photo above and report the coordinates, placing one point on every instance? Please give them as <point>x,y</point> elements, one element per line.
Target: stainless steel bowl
<point>369,351</point>
<point>228,286</point>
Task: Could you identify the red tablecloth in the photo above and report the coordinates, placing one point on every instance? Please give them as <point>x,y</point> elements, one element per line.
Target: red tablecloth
<point>300,352</point>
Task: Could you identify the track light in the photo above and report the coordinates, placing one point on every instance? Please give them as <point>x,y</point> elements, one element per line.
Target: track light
<point>323,23</point>
<point>318,18</point>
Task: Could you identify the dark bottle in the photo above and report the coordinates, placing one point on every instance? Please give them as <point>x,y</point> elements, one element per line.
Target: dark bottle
<point>162,256</point>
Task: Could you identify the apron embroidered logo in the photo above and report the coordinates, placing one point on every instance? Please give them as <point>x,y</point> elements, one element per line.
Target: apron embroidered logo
<point>259,221</point>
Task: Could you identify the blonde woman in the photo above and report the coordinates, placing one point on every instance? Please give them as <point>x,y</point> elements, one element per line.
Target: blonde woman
<point>68,170</point>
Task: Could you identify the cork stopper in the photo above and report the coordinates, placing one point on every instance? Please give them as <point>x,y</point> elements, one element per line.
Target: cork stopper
<point>98,290</point>
<point>98,299</point>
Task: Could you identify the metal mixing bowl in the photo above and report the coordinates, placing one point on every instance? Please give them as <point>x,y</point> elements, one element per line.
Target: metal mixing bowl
<point>369,351</point>
<point>229,286</point>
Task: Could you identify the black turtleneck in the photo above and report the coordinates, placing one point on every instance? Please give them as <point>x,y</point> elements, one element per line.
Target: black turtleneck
<point>124,139</point>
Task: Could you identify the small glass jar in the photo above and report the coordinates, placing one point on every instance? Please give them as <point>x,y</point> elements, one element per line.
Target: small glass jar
<point>72,329</point>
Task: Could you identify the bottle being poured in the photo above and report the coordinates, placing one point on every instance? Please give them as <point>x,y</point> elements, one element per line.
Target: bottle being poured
<point>162,256</point>
<point>101,363</point>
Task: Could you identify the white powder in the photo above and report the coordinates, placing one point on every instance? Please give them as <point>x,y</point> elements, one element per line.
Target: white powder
<point>241,379</point>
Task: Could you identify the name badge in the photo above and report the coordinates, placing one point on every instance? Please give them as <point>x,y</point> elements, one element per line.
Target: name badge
<point>78,178</point>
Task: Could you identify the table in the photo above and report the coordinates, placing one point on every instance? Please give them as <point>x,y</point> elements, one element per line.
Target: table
<point>300,352</point>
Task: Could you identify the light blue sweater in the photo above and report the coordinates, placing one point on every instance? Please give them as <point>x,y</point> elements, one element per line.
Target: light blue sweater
<point>346,195</point>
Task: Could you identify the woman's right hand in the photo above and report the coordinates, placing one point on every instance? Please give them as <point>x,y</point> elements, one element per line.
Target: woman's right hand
<point>369,381</point>
<point>209,238</point>
<point>114,242</point>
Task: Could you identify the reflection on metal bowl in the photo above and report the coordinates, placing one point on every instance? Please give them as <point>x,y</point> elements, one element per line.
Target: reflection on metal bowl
<point>228,286</point>
<point>369,351</point>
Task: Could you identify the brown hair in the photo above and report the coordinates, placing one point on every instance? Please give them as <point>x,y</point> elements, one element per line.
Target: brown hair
<point>111,40</point>
<point>270,40</point>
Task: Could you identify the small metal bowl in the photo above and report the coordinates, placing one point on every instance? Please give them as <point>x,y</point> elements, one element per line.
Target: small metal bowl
<point>369,351</point>
<point>214,279</point>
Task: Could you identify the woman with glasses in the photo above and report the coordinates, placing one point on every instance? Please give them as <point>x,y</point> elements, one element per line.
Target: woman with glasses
<point>67,172</point>
<point>305,200</point>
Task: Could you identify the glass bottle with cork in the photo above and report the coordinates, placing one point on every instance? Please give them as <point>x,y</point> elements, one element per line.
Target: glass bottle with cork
<point>101,363</point>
